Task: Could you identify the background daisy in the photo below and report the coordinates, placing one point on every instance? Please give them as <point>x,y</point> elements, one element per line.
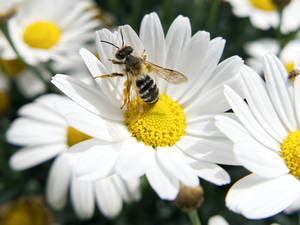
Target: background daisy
<point>28,83</point>
<point>49,33</point>
<point>45,134</point>
<point>257,49</point>
<point>264,14</point>
<point>196,152</point>
<point>265,141</point>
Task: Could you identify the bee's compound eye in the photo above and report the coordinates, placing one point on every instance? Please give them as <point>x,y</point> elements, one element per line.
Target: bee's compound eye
<point>120,55</point>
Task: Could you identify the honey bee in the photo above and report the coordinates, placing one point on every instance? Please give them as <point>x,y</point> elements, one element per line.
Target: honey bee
<point>140,85</point>
<point>294,73</point>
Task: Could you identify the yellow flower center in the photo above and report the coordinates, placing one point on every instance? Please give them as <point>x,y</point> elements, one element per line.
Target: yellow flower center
<point>3,102</point>
<point>24,214</point>
<point>41,35</point>
<point>289,67</point>
<point>161,124</point>
<point>291,153</point>
<point>75,136</point>
<point>12,67</point>
<point>266,5</point>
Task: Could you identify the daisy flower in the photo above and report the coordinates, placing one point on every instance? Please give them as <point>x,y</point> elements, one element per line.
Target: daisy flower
<point>173,140</point>
<point>45,134</point>
<point>27,82</point>
<point>217,220</point>
<point>287,54</point>
<point>8,7</point>
<point>46,30</point>
<point>264,14</point>
<point>257,49</point>
<point>266,140</point>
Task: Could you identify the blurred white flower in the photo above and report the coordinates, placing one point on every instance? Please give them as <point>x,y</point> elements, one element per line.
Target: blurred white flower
<point>8,7</point>
<point>46,30</point>
<point>288,53</point>
<point>266,141</point>
<point>45,134</point>
<point>264,14</point>
<point>217,220</point>
<point>27,82</point>
<point>257,49</point>
<point>185,144</point>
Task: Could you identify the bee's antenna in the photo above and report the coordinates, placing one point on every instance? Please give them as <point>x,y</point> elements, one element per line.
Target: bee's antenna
<point>110,44</point>
<point>122,37</point>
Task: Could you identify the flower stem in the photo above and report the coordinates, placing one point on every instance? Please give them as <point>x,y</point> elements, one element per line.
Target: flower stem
<point>194,218</point>
<point>213,16</point>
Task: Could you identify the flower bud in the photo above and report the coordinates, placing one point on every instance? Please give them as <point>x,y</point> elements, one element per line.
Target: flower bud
<point>281,3</point>
<point>189,198</point>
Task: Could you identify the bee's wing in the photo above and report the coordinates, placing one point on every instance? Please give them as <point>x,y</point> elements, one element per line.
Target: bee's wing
<point>172,76</point>
<point>135,103</point>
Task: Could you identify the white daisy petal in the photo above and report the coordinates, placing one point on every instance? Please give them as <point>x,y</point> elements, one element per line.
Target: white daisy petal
<point>260,104</point>
<point>25,131</point>
<point>210,172</point>
<point>131,39</point>
<point>259,159</point>
<point>202,126</point>
<point>58,183</point>
<point>162,181</point>
<point>294,207</point>
<point>233,130</point>
<point>104,50</point>
<point>99,156</point>
<point>134,161</point>
<point>175,165</point>
<point>193,52</point>
<point>47,100</point>
<point>297,98</point>
<point>31,156</point>
<point>217,220</point>
<point>106,84</point>
<point>208,149</point>
<point>82,197</point>
<point>223,72</point>
<point>62,38</point>
<point>108,198</point>
<point>243,112</point>
<point>87,96</point>
<point>202,105</point>
<point>280,90</point>
<point>178,34</point>
<point>204,72</point>
<point>152,37</point>
<point>257,198</point>
<point>29,84</point>
<point>97,127</point>
<point>130,190</point>
<point>42,113</point>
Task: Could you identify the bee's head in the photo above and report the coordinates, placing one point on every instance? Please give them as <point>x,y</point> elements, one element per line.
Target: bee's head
<point>123,52</point>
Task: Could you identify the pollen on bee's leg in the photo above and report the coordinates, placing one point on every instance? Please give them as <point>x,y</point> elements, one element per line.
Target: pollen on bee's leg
<point>125,93</point>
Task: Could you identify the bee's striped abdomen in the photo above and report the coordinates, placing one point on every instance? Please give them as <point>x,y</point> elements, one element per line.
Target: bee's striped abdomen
<point>148,89</point>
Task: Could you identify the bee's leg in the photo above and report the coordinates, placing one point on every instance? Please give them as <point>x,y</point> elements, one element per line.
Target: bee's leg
<point>116,62</point>
<point>110,75</point>
<point>144,55</point>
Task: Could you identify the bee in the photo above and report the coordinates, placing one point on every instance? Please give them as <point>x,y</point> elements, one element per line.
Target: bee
<point>293,73</point>
<point>140,85</point>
